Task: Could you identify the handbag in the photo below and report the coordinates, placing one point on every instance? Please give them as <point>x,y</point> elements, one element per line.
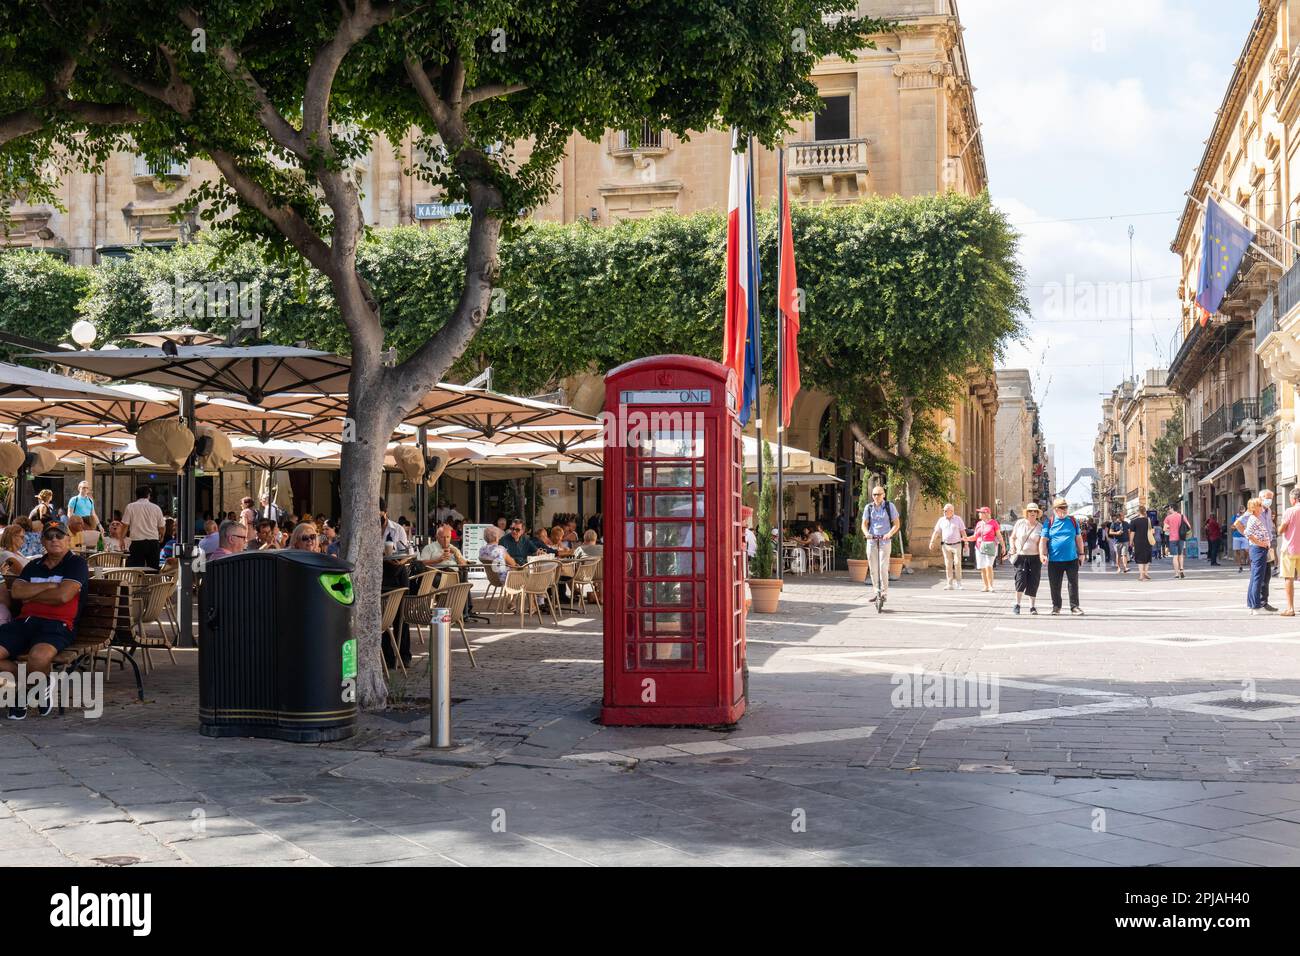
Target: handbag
<point>989,549</point>
<point>1151,536</point>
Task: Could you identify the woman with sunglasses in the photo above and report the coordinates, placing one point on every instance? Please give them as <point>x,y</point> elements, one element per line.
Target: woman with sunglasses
<point>304,537</point>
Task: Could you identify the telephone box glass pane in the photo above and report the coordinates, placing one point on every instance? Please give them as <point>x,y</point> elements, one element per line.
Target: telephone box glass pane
<point>667,594</point>
<point>666,476</point>
<point>667,506</point>
<point>666,564</point>
<point>664,654</point>
<point>670,444</point>
<point>673,534</point>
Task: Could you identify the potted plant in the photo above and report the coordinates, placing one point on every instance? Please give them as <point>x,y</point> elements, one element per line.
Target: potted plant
<point>764,584</point>
<point>855,544</point>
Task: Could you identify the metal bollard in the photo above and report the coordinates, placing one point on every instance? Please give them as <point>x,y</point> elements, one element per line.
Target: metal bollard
<point>440,680</point>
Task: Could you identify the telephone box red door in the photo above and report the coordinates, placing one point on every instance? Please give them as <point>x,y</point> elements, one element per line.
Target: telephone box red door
<point>674,545</point>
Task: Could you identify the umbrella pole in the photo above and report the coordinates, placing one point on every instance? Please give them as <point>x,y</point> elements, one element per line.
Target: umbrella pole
<point>185,530</point>
<point>422,494</point>
<point>478,497</point>
<point>19,484</point>
<point>112,484</point>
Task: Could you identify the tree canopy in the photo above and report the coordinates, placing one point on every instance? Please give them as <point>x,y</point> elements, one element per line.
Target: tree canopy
<point>902,297</point>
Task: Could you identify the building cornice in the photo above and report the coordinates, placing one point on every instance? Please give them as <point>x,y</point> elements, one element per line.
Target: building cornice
<point>1258,42</point>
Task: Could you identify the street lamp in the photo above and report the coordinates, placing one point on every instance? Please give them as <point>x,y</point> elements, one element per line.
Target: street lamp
<point>84,333</point>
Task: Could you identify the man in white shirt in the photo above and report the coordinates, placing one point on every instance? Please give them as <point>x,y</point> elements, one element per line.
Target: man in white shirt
<point>393,533</point>
<point>447,512</point>
<point>144,529</point>
<point>951,530</point>
<point>269,509</point>
<point>440,552</point>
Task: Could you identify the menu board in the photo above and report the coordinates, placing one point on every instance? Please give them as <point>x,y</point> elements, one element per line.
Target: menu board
<point>470,541</point>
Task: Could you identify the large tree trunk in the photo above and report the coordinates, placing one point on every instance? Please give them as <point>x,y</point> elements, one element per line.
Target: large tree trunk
<point>373,416</point>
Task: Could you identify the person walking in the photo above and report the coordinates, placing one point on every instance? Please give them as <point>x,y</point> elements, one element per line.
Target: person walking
<point>1288,549</point>
<point>879,525</point>
<point>1240,548</point>
<point>1260,539</point>
<point>950,532</point>
<point>1060,548</point>
<point>1141,542</point>
<point>989,544</point>
<point>1176,528</point>
<point>1118,534</point>
<point>144,527</point>
<point>1266,517</point>
<point>1214,536</point>
<point>1090,537</point>
<point>1026,539</point>
<point>1153,516</point>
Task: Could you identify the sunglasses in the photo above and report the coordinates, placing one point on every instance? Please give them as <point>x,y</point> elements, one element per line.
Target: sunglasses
<point>53,533</point>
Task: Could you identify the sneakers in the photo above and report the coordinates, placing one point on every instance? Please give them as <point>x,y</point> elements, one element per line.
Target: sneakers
<point>1056,610</point>
<point>959,587</point>
<point>948,586</point>
<point>1033,610</point>
<point>1269,607</point>
<point>1076,610</point>
<point>17,713</point>
<point>1015,609</point>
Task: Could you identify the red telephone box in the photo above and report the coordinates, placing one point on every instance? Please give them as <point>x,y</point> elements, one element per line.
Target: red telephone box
<point>674,544</point>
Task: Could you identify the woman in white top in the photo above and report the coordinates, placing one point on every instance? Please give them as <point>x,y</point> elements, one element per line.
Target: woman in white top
<point>1025,538</point>
<point>116,540</point>
<point>11,543</point>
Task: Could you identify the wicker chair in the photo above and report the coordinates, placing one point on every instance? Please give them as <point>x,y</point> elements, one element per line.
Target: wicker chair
<point>106,559</point>
<point>455,599</point>
<point>136,577</point>
<point>425,581</point>
<point>390,622</point>
<point>496,581</point>
<point>149,605</point>
<point>541,582</point>
<point>584,576</point>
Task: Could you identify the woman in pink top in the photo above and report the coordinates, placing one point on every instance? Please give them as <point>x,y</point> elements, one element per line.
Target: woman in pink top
<point>1288,550</point>
<point>987,536</point>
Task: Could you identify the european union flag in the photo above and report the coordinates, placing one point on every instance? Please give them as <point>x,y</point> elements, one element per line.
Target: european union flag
<point>1224,243</point>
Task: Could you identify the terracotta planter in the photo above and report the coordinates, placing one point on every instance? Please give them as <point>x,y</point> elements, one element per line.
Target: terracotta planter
<point>857,569</point>
<point>895,567</point>
<point>767,594</point>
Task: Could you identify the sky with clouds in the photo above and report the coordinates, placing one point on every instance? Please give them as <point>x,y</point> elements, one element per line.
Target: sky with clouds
<point>1095,113</point>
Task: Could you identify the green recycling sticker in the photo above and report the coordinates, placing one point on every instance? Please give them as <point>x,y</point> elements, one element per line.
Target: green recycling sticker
<point>350,658</point>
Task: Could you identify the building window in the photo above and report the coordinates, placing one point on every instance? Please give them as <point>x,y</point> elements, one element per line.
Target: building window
<point>643,137</point>
<point>833,120</point>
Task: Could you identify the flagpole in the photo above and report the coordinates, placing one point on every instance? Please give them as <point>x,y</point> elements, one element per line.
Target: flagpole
<point>780,364</point>
<point>758,350</point>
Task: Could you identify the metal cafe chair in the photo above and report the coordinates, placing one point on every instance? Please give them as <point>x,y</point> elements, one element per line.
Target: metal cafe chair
<point>389,622</point>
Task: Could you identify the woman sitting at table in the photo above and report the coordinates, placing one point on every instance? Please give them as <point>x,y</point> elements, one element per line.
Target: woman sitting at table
<point>12,560</point>
<point>116,540</point>
<point>542,540</point>
<point>558,543</point>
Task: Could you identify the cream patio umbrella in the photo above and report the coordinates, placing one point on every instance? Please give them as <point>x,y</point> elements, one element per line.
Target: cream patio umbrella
<point>251,372</point>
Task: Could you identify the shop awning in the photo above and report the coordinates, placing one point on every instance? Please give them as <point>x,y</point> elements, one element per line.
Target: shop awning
<point>1234,460</point>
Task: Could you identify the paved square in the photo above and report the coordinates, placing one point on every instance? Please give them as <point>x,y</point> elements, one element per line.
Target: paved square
<point>1161,728</point>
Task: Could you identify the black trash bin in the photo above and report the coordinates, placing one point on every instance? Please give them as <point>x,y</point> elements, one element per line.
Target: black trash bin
<point>276,653</point>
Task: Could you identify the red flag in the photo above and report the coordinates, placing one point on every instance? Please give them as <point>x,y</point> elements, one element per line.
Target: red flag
<point>737,314</point>
<point>787,291</point>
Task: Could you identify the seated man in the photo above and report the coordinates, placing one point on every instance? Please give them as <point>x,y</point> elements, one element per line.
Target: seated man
<point>266,534</point>
<point>440,552</point>
<point>211,537</point>
<point>231,538</point>
<point>50,592</point>
<point>518,545</point>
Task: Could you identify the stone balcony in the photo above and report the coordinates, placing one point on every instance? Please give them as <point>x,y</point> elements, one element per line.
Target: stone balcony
<point>828,161</point>
<point>1277,328</point>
